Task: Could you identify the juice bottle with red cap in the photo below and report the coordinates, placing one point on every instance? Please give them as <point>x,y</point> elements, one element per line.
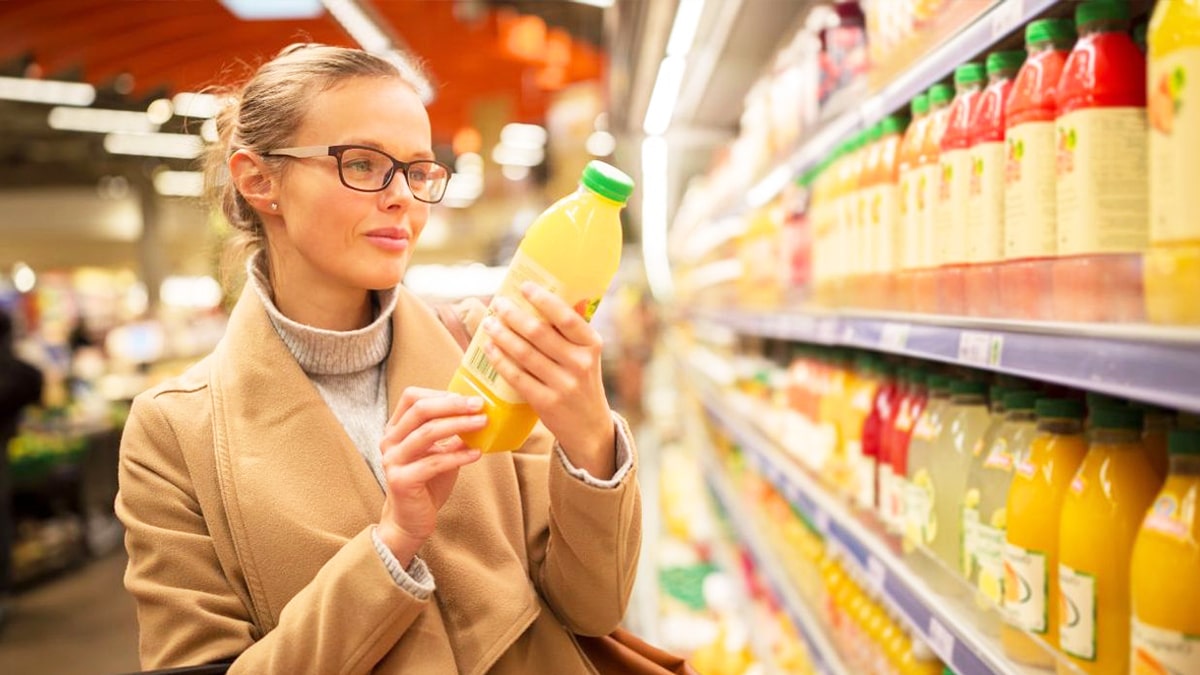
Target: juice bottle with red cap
<point>907,240</point>
<point>985,192</point>
<point>1101,136</point>
<point>1030,202</point>
<point>954,187</point>
<point>928,185</point>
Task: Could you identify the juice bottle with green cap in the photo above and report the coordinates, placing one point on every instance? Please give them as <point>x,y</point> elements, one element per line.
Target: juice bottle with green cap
<point>572,249</point>
<point>907,240</point>
<point>970,507</point>
<point>1172,265</point>
<point>1041,478</point>
<point>1165,572</point>
<point>1030,202</point>
<point>954,188</point>
<point>1102,511</point>
<point>966,421</point>
<point>928,185</point>
<point>1102,141</point>
<point>985,191</point>
<point>920,525</point>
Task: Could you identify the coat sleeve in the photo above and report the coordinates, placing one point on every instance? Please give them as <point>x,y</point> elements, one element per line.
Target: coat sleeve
<point>583,540</point>
<point>344,621</point>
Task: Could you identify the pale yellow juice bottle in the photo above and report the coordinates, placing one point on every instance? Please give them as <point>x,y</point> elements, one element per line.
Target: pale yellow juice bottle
<point>966,421</point>
<point>1165,571</point>
<point>573,249</point>
<point>920,526</point>
<point>1040,482</point>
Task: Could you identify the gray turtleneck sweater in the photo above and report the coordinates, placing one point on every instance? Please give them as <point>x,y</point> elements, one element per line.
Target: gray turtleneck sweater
<point>347,368</point>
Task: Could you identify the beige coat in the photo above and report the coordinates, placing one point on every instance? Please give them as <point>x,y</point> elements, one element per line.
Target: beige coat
<point>248,513</point>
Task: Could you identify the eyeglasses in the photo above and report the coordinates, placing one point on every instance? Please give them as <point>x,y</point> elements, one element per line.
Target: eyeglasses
<point>370,170</point>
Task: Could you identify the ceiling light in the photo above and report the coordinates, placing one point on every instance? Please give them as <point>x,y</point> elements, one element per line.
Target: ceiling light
<point>514,172</point>
<point>654,217</point>
<point>523,136</point>
<point>191,104</point>
<point>53,92</point>
<point>208,131</point>
<point>180,146</point>
<point>602,4</point>
<point>601,143</point>
<point>24,278</point>
<point>160,110</point>
<point>507,155</point>
<point>361,27</point>
<point>664,95</point>
<point>257,10</point>
<point>179,183</point>
<point>99,120</point>
<point>683,31</point>
<point>468,162</point>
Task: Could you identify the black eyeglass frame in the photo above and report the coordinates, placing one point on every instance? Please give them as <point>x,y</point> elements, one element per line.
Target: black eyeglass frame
<point>336,151</point>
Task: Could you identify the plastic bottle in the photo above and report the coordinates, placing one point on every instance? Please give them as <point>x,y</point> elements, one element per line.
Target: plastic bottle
<point>1101,514</point>
<point>1030,202</point>
<point>892,473</point>
<point>883,214</point>
<point>1102,190</point>
<point>1039,485</point>
<point>954,188</point>
<point>1156,424</point>
<point>966,421</point>
<point>1172,274</point>
<point>882,416</point>
<point>908,241</point>
<point>862,385</point>
<point>1165,571</point>
<point>970,506</point>
<point>920,523</point>
<point>572,249</point>
<point>985,193</point>
<point>928,185</point>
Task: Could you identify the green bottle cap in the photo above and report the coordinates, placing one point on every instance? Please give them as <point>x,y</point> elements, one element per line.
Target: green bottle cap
<point>1114,417</point>
<point>1049,30</point>
<point>940,94</point>
<point>607,181</point>
<point>969,73</point>
<point>893,124</point>
<point>938,383</point>
<point>1004,62</point>
<point>920,105</point>
<point>1025,399</point>
<point>1183,442</point>
<point>1059,407</point>
<point>875,132</point>
<point>1101,10</point>
<point>1096,400</point>
<point>968,388</point>
<point>1139,35</point>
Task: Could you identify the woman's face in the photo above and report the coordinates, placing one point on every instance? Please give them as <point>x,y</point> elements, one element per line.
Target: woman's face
<point>331,239</point>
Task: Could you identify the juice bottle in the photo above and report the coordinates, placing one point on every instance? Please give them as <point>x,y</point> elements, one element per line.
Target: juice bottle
<point>1030,202</point>
<point>907,415</point>
<point>970,507</point>
<point>920,524</point>
<point>927,188</point>
<point>883,212</point>
<point>908,240</point>
<point>860,469</point>
<point>1156,424</point>
<point>1102,165</point>
<point>966,421</point>
<point>1101,514</point>
<point>883,413</point>
<point>985,193</point>
<point>1165,571</point>
<point>573,249</point>
<point>1039,485</point>
<point>954,188</point>
<point>1172,274</point>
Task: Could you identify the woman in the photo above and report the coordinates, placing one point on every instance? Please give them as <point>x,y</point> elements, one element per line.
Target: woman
<point>300,499</point>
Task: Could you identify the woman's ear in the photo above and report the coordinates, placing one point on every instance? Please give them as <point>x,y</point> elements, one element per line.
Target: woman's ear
<point>251,178</point>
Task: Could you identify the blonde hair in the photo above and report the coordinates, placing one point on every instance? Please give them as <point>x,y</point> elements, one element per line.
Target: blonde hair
<point>266,112</point>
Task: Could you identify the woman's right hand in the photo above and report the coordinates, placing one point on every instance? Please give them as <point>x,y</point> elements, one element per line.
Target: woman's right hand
<point>422,454</point>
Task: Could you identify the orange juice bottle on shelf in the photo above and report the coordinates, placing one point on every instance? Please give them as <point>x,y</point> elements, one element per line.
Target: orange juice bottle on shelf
<point>1102,165</point>
<point>1030,201</point>
<point>1156,424</point>
<point>1101,514</point>
<point>1040,482</point>
<point>1172,266</point>
<point>1165,571</point>
<point>985,196</point>
<point>883,211</point>
<point>572,249</point>
<point>954,188</point>
<point>928,186</point>
<point>907,240</point>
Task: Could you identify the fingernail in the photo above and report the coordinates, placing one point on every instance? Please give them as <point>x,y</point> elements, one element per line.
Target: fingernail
<point>491,324</point>
<point>479,419</point>
<point>528,288</point>
<point>474,403</point>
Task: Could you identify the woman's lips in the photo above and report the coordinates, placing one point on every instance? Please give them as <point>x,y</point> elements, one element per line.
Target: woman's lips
<point>389,238</point>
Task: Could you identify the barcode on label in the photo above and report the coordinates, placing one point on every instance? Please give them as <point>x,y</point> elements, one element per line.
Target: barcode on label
<point>941,640</point>
<point>483,365</point>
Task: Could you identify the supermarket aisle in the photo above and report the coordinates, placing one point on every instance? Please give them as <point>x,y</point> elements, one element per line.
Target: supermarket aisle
<point>81,623</point>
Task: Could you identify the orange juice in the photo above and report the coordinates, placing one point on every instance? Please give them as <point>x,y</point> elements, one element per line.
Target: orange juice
<point>1172,265</point>
<point>928,186</point>
<point>1101,514</point>
<point>883,212</point>
<point>1039,485</point>
<point>1165,571</point>
<point>907,240</point>
<point>572,249</point>
<point>954,188</point>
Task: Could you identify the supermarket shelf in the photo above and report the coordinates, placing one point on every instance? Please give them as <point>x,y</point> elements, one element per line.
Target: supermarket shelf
<point>1156,365</point>
<point>947,627</point>
<point>824,657</point>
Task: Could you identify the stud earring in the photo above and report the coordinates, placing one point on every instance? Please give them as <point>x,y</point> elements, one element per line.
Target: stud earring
<point>274,206</point>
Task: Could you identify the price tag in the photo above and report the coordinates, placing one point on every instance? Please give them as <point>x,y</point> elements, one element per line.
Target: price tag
<point>822,519</point>
<point>1006,17</point>
<point>941,640</point>
<point>876,573</point>
<point>980,349</point>
<point>893,337</point>
<point>827,332</point>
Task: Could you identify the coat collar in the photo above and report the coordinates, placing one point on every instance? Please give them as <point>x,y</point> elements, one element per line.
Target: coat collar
<point>296,489</point>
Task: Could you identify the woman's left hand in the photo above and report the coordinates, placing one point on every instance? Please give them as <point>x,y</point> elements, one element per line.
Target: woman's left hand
<point>554,362</point>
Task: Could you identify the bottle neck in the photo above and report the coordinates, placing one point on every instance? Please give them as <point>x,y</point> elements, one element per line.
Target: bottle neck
<point>967,399</point>
<point>1036,48</point>
<point>1104,26</point>
<point>1116,436</point>
<point>1060,425</point>
<point>1020,415</point>
<point>1001,75</point>
<point>1185,465</point>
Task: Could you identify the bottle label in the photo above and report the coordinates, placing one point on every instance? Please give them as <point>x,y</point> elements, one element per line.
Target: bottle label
<point>1174,112</point>
<point>1030,202</point>
<point>985,204</point>
<point>928,240</point>
<point>989,556</point>
<point>884,221</point>
<point>998,457</point>
<point>920,526</point>
<point>909,240</point>
<point>1102,186</point>
<point>952,212</point>
<point>1165,517</point>
<point>970,532</point>
<point>1077,613</point>
<point>886,479</point>
<point>1158,651</point>
<point>1026,585</point>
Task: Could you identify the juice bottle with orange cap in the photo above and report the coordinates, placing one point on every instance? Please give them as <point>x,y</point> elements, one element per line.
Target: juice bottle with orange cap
<point>1030,202</point>
<point>908,238</point>
<point>883,212</point>
<point>1172,265</point>
<point>928,186</point>
<point>1101,136</point>
<point>1101,514</point>
<point>954,188</point>
<point>1039,484</point>
<point>985,192</point>
<point>1165,571</point>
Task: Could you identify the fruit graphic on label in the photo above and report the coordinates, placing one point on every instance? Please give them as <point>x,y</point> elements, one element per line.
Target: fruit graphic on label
<point>1015,591</point>
<point>1066,150</point>
<point>876,208</point>
<point>1166,99</point>
<point>976,185</point>
<point>586,308</point>
<point>1144,663</point>
<point>1012,160</point>
<point>921,192</point>
<point>928,525</point>
<point>971,499</point>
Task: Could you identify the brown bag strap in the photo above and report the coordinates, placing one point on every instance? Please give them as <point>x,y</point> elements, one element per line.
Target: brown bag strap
<point>453,323</point>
